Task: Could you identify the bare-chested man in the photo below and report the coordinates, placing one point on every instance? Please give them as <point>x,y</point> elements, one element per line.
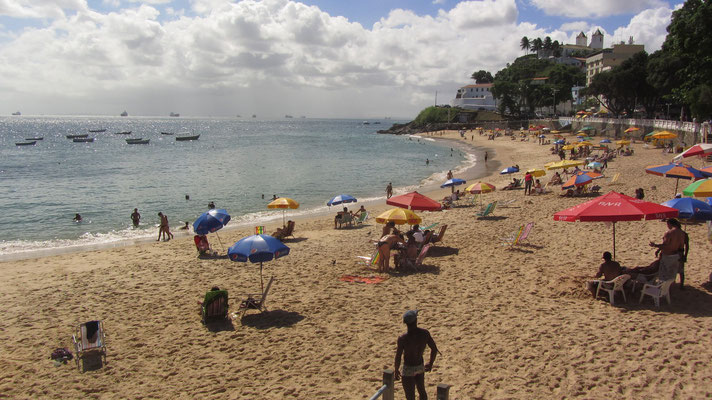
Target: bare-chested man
<point>673,241</point>
<point>411,346</point>
<point>385,245</point>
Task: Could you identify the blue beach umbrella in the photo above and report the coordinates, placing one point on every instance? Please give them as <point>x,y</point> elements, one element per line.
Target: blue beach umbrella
<point>452,183</point>
<point>605,141</point>
<point>690,208</point>
<point>257,249</point>
<point>576,180</point>
<point>560,141</point>
<point>211,221</point>
<point>509,170</point>
<point>594,165</point>
<point>341,199</point>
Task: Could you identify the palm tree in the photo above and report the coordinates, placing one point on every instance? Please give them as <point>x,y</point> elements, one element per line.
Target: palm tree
<point>547,43</point>
<point>536,45</point>
<point>525,44</point>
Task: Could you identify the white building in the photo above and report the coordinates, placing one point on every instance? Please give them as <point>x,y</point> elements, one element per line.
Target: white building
<point>475,97</point>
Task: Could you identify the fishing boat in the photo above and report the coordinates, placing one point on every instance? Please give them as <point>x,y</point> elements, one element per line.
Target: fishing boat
<point>34,138</point>
<point>122,133</point>
<point>138,141</point>
<point>17,113</point>
<point>83,135</point>
<point>97,130</point>
<point>288,116</point>
<point>166,133</point>
<point>32,143</point>
<point>172,114</point>
<point>124,114</point>
<point>184,138</point>
<point>83,140</point>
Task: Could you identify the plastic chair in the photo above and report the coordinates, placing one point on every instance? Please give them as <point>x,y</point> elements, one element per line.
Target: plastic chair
<point>661,289</point>
<point>613,286</point>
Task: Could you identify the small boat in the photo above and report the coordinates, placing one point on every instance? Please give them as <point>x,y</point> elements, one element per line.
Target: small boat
<point>366,123</point>
<point>122,133</point>
<point>34,138</point>
<point>166,133</point>
<point>97,130</point>
<point>17,113</point>
<point>254,115</point>
<point>83,135</point>
<point>83,140</point>
<point>32,143</point>
<point>138,141</point>
<point>172,114</point>
<point>288,116</point>
<point>184,138</point>
<point>124,114</point>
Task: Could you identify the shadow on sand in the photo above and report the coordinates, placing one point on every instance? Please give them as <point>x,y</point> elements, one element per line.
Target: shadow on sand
<point>272,319</point>
<point>442,251</point>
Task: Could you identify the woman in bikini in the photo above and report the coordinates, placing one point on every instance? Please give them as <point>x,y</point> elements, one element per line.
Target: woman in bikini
<point>385,244</point>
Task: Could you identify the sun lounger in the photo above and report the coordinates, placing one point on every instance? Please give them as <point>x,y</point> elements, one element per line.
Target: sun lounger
<point>284,233</point>
<point>361,218</point>
<point>439,237</point>
<point>256,301</point>
<point>89,339</point>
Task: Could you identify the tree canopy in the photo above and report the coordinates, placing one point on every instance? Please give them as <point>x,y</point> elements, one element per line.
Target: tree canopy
<point>482,76</point>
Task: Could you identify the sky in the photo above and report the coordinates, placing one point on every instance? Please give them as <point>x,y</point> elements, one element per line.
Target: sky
<point>317,58</point>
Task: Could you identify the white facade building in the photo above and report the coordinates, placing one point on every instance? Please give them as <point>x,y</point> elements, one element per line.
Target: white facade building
<point>475,97</point>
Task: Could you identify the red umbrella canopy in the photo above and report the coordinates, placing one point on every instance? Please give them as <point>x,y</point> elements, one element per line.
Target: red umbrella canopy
<point>615,207</point>
<point>414,201</point>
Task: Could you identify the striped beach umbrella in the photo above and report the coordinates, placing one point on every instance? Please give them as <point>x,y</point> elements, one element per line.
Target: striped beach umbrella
<point>702,188</point>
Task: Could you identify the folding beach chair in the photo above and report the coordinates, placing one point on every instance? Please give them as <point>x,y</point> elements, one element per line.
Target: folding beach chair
<point>89,340</point>
<point>439,237</point>
<point>361,218</point>
<point>214,306</point>
<point>256,301</point>
<point>419,260</point>
<point>485,211</point>
<point>525,232</point>
<point>615,178</point>
<point>513,239</point>
<point>369,261</point>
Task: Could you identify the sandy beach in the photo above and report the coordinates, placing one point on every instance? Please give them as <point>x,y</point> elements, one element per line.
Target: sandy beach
<point>510,323</point>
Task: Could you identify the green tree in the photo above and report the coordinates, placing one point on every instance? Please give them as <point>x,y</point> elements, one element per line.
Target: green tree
<point>482,76</point>
<point>537,45</point>
<point>525,44</point>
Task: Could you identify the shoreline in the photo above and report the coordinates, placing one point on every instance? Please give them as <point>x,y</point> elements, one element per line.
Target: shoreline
<point>427,186</point>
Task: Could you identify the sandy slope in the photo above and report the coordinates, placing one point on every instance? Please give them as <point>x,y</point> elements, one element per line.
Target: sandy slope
<point>510,323</point>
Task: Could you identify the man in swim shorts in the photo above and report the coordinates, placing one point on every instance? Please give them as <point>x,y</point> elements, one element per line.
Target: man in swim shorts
<point>411,346</point>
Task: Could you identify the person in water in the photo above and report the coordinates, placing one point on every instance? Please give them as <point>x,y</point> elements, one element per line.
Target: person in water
<point>77,218</point>
<point>135,217</point>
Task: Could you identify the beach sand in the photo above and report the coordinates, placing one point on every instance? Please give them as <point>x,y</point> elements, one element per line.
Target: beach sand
<point>510,323</point>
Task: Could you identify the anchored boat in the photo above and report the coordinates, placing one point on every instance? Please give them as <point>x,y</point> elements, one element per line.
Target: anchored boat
<point>184,138</point>
<point>138,141</point>
<point>83,140</point>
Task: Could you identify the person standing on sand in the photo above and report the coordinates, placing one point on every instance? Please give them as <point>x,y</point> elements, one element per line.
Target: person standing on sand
<point>486,156</point>
<point>135,217</point>
<point>673,241</point>
<point>528,180</point>
<point>389,190</point>
<point>164,228</point>
<point>449,174</point>
<point>411,346</point>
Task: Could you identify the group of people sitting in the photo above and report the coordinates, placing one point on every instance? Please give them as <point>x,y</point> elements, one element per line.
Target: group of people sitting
<point>406,244</point>
<point>345,216</point>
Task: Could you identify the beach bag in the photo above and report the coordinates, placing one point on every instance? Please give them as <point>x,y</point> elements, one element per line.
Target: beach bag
<point>61,355</point>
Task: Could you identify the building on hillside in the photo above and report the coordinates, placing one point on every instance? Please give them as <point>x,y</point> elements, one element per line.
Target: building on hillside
<point>575,54</point>
<point>606,59</point>
<point>577,98</point>
<point>475,97</point>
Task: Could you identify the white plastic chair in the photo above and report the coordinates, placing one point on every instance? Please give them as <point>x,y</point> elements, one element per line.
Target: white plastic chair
<point>613,286</point>
<point>657,291</point>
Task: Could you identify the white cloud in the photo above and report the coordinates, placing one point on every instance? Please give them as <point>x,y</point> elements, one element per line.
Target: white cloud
<point>649,28</point>
<point>576,26</point>
<point>438,1</point>
<point>150,1</point>
<point>39,8</point>
<point>595,9</point>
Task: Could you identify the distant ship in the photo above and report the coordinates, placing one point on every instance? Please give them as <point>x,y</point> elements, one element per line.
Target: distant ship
<point>288,116</point>
<point>254,115</point>
<point>172,114</point>
<point>17,113</point>
<point>124,114</point>
<point>302,116</point>
<point>239,116</point>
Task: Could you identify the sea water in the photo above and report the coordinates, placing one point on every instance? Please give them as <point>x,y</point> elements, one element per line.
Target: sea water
<point>238,163</point>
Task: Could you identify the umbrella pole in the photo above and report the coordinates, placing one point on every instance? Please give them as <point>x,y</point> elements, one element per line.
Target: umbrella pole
<point>677,181</point>
<point>283,220</point>
<point>262,285</point>
<point>219,241</point>
<point>614,240</point>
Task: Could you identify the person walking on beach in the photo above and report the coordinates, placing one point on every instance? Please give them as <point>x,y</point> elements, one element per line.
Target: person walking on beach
<point>449,174</point>
<point>389,190</point>
<point>411,346</point>
<point>135,217</point>
<point>164,229</point>
<point>486,156</point>
<point>528,178</point>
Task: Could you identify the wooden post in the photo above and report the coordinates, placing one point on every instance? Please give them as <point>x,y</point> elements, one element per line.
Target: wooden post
<point>443,391</point>
<point>388,380</point>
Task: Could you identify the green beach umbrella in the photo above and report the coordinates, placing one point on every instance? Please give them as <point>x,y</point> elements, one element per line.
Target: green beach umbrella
<point>701,188</point>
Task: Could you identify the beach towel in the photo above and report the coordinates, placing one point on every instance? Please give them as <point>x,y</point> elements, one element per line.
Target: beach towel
<point>362,279</point>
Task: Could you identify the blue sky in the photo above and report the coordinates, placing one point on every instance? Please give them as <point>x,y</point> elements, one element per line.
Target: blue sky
<point>330,58</point>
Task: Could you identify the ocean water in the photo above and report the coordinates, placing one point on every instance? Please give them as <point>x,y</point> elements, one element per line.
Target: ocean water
<point>234,163</point>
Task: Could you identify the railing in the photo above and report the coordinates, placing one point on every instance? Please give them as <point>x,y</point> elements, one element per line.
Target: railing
<point>386,392</point>
<point>651,123</point>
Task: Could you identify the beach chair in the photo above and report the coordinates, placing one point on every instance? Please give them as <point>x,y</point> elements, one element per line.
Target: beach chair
<point>89,340</point>
<point>486,211</point>
<point>429,227</point>
<point>419,260</point>
<point>615,178</point>
<point>439,237</point>
<point>428,237</point>
<point>613,286</point>
<point>256,301</point>
<point>513,239</point>
<point>657,291</point>
<point>506,203</point>
<point>346,218</point>
<point>282,234</point>
<point>214,306</point>
<point>361,218</point>
<point>525,232</point>
<point>369,261</point>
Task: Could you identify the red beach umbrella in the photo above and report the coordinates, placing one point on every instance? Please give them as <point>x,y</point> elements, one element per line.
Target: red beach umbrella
<point>699,149</point>
<point>414,201</point>
<point>614,207</point>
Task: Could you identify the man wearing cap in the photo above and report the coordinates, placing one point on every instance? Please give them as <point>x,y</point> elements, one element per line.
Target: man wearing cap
<point>673,241</point>
<point>411,346</point>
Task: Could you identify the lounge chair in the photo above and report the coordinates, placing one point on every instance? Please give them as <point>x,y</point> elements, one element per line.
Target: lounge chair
<point>487,211</point>
<point>361,218</point>
<point>439,237</point>
<point>256,301</point>
<point>525,232</point>
<point>657,291</point>
<point>506,203</point>
<point>214,306</point>
<point>513,239</point>
<point>284,233</point>
<point>429,227</point>
<point>345,219</point>
<point>89,340</point>
<point>613,286</point>
<point>369,261</point>
<point>419,260</point>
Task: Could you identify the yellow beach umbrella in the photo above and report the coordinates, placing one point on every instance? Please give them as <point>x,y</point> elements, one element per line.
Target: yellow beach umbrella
<point>568,147</point>
<point>564,164</point>
<point>631,129</point>
<point>283,203</point>
<point>664,135</point>
<point>480,187</point>
<point>536,172</point>
<point>623,142</point>
<point>400,216</point>
<point>584,143</point>
<point>554,131</point>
